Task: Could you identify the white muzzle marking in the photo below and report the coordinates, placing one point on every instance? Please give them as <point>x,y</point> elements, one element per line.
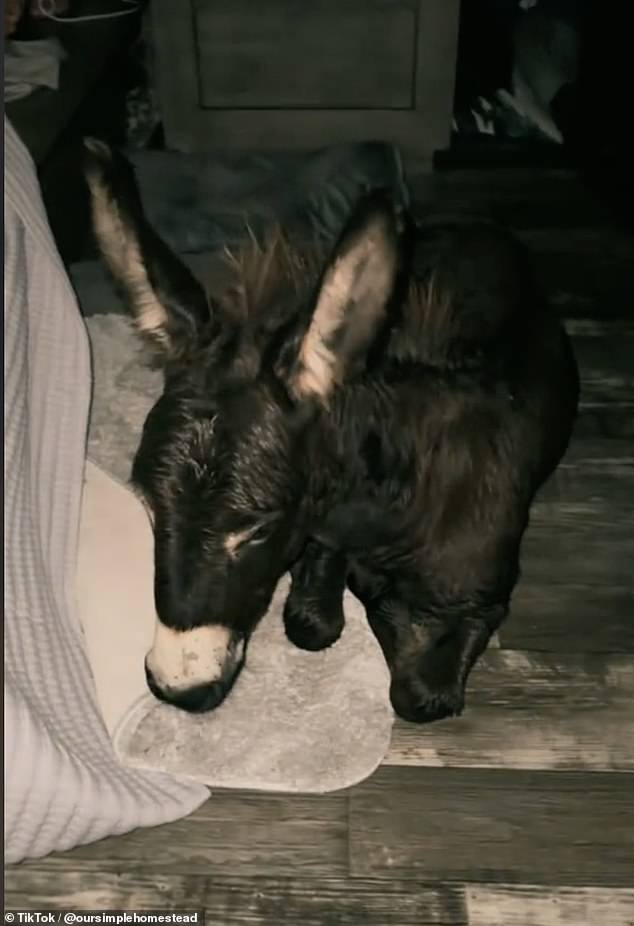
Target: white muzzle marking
<point>182,659</point>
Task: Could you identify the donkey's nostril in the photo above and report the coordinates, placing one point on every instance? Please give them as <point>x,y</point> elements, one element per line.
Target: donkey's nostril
<point>196,700</point>
<point>199,699</point>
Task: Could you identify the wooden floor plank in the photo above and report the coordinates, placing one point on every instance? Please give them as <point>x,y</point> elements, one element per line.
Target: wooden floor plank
<point>593,483</point>
<point>575,618</point>
<point>532,711</point>
<point>501,905</point>
<point>234,900</point>
<point>597,453</point>
<point>257,834</point>
<point>606,246</point>
<point>583,284</point>
<point>521,198</point>
<point>612,420</point>
<point>607,359</point>
<point>582,521</point>
<point>567,547</point>
<point>600,327</point>
<point>574,304</point>
<point>541,828</point>
<point>606,404</point>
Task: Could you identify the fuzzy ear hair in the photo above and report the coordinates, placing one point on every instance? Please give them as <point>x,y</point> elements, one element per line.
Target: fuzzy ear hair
<point>353,299</point>
<point>168,304</point>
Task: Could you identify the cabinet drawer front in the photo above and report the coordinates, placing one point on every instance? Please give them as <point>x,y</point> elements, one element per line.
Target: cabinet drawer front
<point>306,54</point>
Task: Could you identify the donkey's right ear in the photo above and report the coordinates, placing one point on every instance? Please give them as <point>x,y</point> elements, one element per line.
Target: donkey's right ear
<point>170,307</point>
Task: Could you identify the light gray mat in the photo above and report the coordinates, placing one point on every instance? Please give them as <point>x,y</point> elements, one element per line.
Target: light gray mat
<point>295,721</point>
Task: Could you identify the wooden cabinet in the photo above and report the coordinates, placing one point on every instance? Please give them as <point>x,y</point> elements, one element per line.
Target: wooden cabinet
<point>304,73</point>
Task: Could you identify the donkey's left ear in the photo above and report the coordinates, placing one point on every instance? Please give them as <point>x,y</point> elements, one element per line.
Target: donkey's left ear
<point>352,300</point>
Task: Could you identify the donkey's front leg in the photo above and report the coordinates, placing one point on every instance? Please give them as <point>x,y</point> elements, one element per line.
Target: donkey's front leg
<point>313,614</point>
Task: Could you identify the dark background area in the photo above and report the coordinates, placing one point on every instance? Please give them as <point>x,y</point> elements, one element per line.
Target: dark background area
<point>593,113</point>
<point>106,61</point>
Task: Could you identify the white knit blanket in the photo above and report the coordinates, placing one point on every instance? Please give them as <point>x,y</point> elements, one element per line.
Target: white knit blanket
<point>63,784</point>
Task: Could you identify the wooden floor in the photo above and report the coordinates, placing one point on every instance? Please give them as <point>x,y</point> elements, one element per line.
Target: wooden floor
<point>520,813</point>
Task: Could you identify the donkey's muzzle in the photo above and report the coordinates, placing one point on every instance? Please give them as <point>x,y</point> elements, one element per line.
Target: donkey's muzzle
<point>196,700</point>
<point>194,669</point>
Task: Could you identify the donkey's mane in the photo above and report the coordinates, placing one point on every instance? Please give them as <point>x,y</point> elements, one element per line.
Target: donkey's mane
<point>268,280</point>
<point>270,275</point>
<point>442,321</point>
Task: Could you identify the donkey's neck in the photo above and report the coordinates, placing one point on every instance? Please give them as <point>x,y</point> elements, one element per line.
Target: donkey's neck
<point>363,456</point>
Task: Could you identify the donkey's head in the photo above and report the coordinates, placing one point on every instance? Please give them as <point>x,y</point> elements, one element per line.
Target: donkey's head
<point>222,466</point>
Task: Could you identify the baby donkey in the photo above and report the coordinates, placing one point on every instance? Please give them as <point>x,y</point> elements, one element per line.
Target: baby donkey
<point>379,417</point>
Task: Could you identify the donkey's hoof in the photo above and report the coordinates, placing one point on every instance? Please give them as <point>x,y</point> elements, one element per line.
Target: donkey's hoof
<point>310,629</point>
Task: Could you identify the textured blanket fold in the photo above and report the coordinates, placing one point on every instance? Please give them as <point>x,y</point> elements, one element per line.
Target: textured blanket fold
<point>63,783</point>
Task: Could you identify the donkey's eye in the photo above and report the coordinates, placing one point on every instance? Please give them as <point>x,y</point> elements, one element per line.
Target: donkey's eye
<point>260,533</point>
<point>248,537</point>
